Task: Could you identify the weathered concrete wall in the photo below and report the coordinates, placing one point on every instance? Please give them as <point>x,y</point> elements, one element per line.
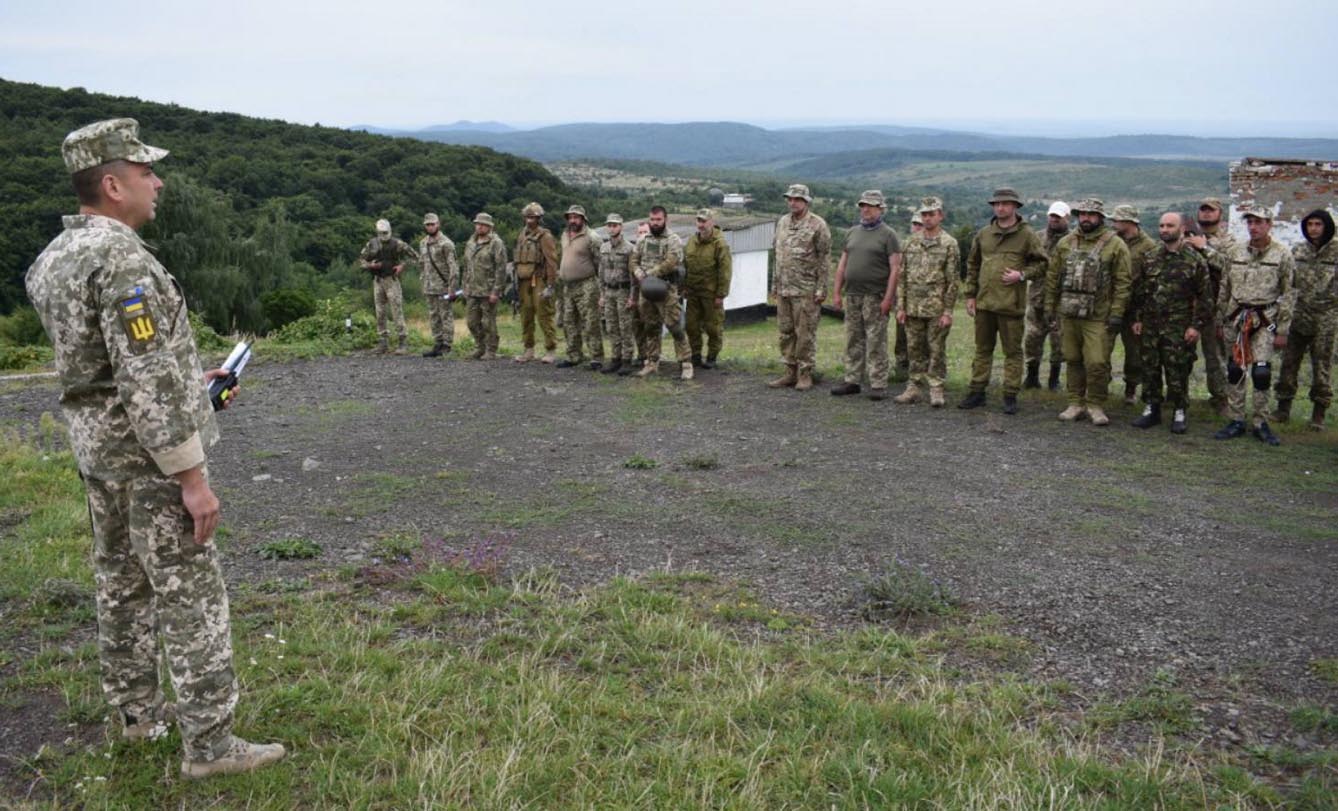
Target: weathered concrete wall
<point>1292,188</point>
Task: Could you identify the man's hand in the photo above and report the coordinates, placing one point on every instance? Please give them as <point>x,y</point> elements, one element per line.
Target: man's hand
<point>1221,333</point>
<point>819,296</point>
<point>631,302</point>
<point>640,276</point>
<point>1137,329</point>
<point>398,269</point>
<point>547,292</point>
<point>214,374</point>
<point>719,303</point>
<point>1279,341</point>
<point>901,316</point>
<point>885,306</point>
<point>836,300</point>
<point>1191,336</point>
<point>1011,276</point>
<point>971,307</point>
<point>945,321</point>
<point>200,502</point>
<point>601,303</point>
<point>1199,241</point>
<point>492,298</point>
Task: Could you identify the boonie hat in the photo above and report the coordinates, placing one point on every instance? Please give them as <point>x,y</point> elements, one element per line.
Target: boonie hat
<point>1124,213</point>
<point>1005,195</point>
<point>116,139</point>
<point>431,219</point>
<point>798,190</point>
<point>483,219</point>
<point>576,210</point>
<point>1091,205</point>
<point>873,197</point>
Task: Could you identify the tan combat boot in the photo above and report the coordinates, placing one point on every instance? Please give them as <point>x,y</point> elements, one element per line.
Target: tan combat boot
<point>805,381</point>
<point>786,380</point>
<point>649,369</point>
<point>687,372</point>
<point>242,756</point>
<point>1073,412</point>
<point>477,354</point>
<point>936,396</point>
<point>490,355</point>
<point>909,396</point>
<point>1097,415</point>
<point>549,357</point>
<point>526,356</point>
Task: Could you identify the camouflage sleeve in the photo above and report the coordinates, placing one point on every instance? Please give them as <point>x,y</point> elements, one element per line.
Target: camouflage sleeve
<point>973,268</point>
<point>406,253</point>
<point>668,266</point>
<point>724,263</point>
<point>1120,275</point>
<point>1203,295</point>
<point>822,250</point>
<point>950,277</point>
<point>368,251</point>
<point>1287,290</point>
<point>1054,275</point>
<point>548,247</point>
<point>1223,303</point>
<point>138,308</point>
<point>634,259</point>
<point>455,279</point>
<point>499,266</point>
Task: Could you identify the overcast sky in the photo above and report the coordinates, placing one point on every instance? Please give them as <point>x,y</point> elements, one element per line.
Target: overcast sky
<point>1228,66</point>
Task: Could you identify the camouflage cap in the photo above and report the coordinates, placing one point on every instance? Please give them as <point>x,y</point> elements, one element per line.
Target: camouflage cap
<point>1090,205</point>
<point>800,191</point>
<point>431,219</point>
<point>705,214</point>
<point>383,226</point>
<point>483,219</point>
<point>1211,202</point>
<point>613,218</point>
<point>873,197</point>
<point>1059,208</point>
<point>576,210</point>
<point>1005,195</point>
<point>116,139</point>
<point>1258,210</point>
<point>928,204</point>
<point>916,219</point>
<point>1124,213</point>
<point>532,210</point>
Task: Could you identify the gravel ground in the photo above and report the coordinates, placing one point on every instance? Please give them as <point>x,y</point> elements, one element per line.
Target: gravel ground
<point>1116,554</point>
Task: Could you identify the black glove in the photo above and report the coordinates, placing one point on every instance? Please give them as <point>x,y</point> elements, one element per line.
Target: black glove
<point>1114,323</point>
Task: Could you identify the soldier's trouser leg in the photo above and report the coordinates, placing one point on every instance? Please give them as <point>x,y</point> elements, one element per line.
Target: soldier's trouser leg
<point>917,340</point>
<point>1261,345</point>
<point>1133,356</point>
<point>1320,348</point>
<point>474,320</point>
<point>586,294</point>
<point>379,304</point>
<point>901,350</point>
<point>715,327</point>
<point>806,312</point>
<point>785,319</point>
<point>938,353</point>
<point>390,295</point>
<point>1153,363</point>
<point>490,324</point>
<point>441,318</point>
<point>671,313</point>
<point>148,566</point>
<point>1037,330</point>
<point>1177,356</point>
<point>1087,352</point>
<point>856,339</point>
<point>529,307</point>
<point>1321,363</point>
<point>1214,364</point>
<point>652,318</point>
<point>698,313</point>
<point>617,323</point>
<point>866,341</point>
<point>987,330</point>
<point>1010,329</point>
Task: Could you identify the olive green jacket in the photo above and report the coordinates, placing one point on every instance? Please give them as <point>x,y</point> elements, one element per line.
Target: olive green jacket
<point>1112,298</point>
<point>994,249</point>
<point>709,264</point>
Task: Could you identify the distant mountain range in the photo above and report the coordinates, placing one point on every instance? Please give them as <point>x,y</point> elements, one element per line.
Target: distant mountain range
<point>730,144</point>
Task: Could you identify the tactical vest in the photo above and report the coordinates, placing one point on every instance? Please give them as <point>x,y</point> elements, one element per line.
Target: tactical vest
<point>387,252</point>
<point>529,253</point>
<point>1083,281</point>
<point>614,262</point>
<point>656,248</point>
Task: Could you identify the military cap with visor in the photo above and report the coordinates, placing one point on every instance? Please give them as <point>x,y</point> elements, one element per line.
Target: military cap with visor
<point>873,197</point>
<point>705,214</point>
<point>1257,210</point>
<point>613,219</point>
<point>431,219</point>
<point>929,204</point>
<point>116,139</point>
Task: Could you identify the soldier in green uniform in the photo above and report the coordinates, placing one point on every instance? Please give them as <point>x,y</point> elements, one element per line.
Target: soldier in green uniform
<point>1169,309</point>
<point>440,275</point>
<point>384,256</point>
<point>1087,288</point>
<point>1216,244</point>
<point>1254,316</point>
<point>536,272</point>
<point>926,294</point>
<point>616,299</point>
<point>484,279</point>
<point>140,421</point>
<point>1040,327</point>
<point>709,265</point>
<point>1315,319</point>
<point>1124,219</point>
<point>1003,255</point>
<point>803,248</point>
<point>658,254</point>
<point>865,289</point>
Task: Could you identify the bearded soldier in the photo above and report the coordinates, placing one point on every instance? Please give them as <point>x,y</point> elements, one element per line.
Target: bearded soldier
<point>1315,319</point>
<point>654,267</point>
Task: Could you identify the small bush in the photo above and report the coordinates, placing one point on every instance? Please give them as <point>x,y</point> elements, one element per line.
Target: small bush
<point>904,591</point>
<point>328,324</point>
<point>638,462</point>
<point>22,328</point>
<point>286,306</point>
<point>206,339</point>
<point>23,357</point>
<point>396,548</point>
<point>289,549</point>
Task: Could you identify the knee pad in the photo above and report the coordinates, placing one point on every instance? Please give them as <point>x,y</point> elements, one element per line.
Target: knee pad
<point>1234,373</point>
<point>1260,375</point>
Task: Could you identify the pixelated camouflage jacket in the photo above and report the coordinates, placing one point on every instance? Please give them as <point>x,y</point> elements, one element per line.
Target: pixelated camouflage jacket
<point>438,269</point>
<point>1173,293</point>
<point>484,266</point>
<point>803,255</point>
<point>389,252</point>
<point>928,285</point>
<point>132,388</point>
<point>615,262</point>
<point>1262,280</point>
<point>1316,287</point>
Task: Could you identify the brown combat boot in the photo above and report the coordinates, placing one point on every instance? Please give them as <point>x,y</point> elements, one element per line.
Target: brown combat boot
<point>242,756</point>
<point>936,399</point>
<point>909,396</point>
<point>1317,417</point>
<point>790,378</point>
<point>805,381</point>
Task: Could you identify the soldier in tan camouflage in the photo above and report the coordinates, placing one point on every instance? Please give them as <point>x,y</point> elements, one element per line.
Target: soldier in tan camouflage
<point>658,255</point>
<point>1124,219</point>
<point>1314,329</point>
<point>140,422</point>
<point>536,273</point>
<point>617,299</point>
<point>1039,326</point>
<point>384,256</point>
<point>926,294</point>
<point>578,270</point>
<point>1254,316</point>
<point>483,281</point>
<point>803,249</point>
<point>1215,244</point>
<point>865,289</point>
<point>440,275</point>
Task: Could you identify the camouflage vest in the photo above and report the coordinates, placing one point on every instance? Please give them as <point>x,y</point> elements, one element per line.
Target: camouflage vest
<point>529,252</point>
<point>1083,280</point>
<point>614,261</point>
<point>653,251</point>
<point>387,252</point>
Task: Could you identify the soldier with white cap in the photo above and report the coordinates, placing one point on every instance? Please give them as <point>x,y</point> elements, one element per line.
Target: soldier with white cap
<point>1039,327</point>
<point>384,256</point>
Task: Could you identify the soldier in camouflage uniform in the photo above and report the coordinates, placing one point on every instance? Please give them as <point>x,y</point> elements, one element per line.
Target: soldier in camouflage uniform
<point>900,343</point>
<point>1254,315</point>
<point>659,254</point>
<point>440,274</point>
<point>1038,325</point>
<point>484,279</point>
<point>803,247</point>
<point>866,283</point>
<point>1169,309</point>
<point>710,268</point>
<point>1087,288</point>
<point>1124,219</point>
<point>1315,319</point>
<point>926,294</point>
<point>384,256</point>
<point>639,326</point>
<point>578,269</point>
<point>536,274</point>
<point>1216,244</point>
<point>140,422</point>
<point>616,299</point>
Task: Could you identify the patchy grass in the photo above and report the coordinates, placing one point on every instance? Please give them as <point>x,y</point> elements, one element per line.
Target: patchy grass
<point>638,462</point>
<point>289,549</point>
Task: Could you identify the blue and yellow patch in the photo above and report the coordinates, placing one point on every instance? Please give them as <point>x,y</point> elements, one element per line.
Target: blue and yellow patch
<point>137,320</point>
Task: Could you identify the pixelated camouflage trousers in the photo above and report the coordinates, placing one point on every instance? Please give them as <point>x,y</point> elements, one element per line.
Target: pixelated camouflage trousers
<point>1087,344</point>
<point>388,295</point>
<point>797,320</point>
<point>481,316</point>
<point>704,315</point>
<point>441,320</point>
<point>581,319</point>
<point>927,344</point>
<point>663,313</point>
<point>1319,346</point>
<point>1033,341</point>
<point>619,324</point>
<point>1166,354</point>
<point>1262,350</point>
<point>154,582</point>
<point>534,307</point>
<point>866,340</point>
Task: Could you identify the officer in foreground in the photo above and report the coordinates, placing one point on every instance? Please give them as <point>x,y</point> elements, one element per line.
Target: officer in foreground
<point>140,421</point>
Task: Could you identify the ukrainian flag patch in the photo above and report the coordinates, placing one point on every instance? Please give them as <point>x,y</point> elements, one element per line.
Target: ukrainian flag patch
<point>137,320</point>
